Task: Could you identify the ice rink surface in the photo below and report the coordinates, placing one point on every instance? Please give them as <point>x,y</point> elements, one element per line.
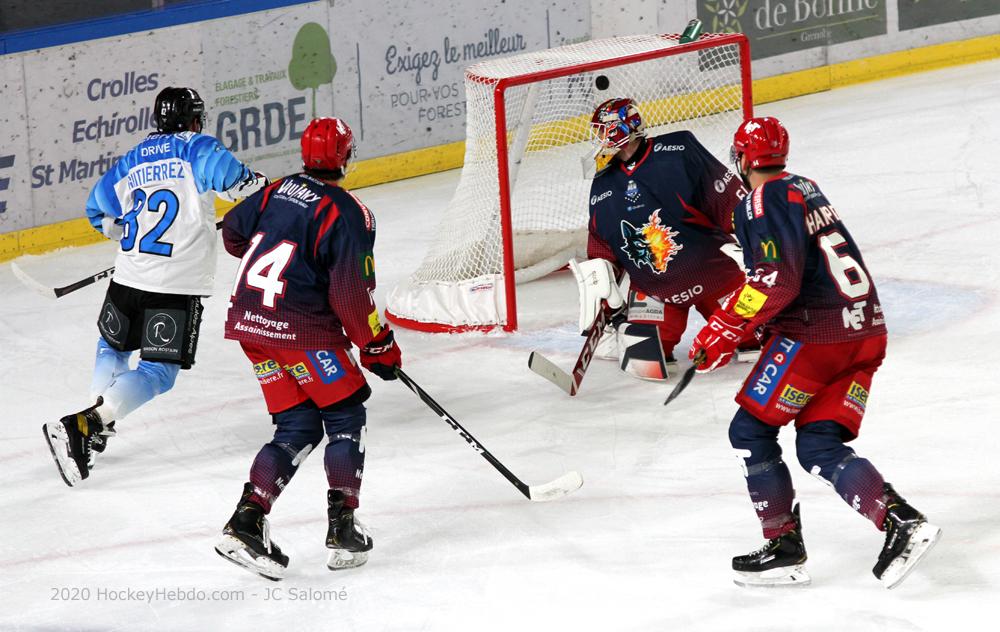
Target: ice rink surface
<point>911,164</point>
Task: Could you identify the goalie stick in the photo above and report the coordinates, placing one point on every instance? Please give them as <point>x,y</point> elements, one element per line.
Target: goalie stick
<point>570,382</point>
<point>565,484</point>
<point>57,292</point>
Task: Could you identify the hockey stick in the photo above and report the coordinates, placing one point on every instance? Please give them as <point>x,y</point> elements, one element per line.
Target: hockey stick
<point>686,378</point>
<point>570,382</point>
<point>57,292</point>
<point>565,484</point>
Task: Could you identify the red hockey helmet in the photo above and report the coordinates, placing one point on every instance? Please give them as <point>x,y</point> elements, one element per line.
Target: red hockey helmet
<point>764,141</point>
<point>614,123</point>
<point>327,145</point>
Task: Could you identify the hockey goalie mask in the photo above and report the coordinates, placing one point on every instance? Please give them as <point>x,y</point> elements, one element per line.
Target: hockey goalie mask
<point>614,123</point>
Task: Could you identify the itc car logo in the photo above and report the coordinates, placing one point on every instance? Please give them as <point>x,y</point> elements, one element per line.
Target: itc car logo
<point>6,162</point>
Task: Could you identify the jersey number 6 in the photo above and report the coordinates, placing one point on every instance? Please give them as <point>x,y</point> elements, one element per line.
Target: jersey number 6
<point>264,274</point>
<point>850,277</point>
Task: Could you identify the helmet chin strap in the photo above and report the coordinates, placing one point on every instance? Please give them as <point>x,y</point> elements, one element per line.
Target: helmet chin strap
<point>744,174</point>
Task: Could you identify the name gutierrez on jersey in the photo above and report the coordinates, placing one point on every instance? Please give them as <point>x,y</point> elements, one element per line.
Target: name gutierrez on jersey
<point>155,172</point>
<point>297,192</point>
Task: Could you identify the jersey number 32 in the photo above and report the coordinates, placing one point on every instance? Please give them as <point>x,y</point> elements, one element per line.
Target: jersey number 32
<point>163,202</point>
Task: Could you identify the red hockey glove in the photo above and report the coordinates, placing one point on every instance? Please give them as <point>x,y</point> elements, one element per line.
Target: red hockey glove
<point>381,356</point>
<point>714,345</point>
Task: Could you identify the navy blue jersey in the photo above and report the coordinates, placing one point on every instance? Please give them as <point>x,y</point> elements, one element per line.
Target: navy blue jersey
<point>663,217</point>
<point>307,275</point>
<point>808,280</point>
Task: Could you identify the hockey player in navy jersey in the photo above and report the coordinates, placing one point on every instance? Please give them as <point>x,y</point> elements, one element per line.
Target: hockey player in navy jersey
<point>825,338</point>
<point>304,293</point>
<point>660,211</point>
<point>156,201</point>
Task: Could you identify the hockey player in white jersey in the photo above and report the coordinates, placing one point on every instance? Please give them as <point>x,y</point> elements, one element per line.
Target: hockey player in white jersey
<point>156,201</point>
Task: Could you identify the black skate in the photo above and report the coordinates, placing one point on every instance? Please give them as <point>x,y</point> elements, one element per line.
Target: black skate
<point>246,540</point>
<point>908,537</point>
<point>347,538</point>
<point>99,442</point>
<point>778,563</point>
<point>69,441</point>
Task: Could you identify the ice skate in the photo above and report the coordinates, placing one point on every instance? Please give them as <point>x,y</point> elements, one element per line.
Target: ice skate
<point>347,539</point>
<point>99,442</point>
<point>780,562</point>
<point>908,537</point>
<point>246,540</point>
<point>69,442</point>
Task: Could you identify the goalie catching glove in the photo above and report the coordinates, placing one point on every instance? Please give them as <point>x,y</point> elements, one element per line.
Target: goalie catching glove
<point>714,345</point>
<point>382,356</point>
<point>248,186</point>
<point>595,279</point>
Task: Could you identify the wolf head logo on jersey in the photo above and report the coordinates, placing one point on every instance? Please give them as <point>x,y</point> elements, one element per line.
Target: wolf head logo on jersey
<point>651,244</point>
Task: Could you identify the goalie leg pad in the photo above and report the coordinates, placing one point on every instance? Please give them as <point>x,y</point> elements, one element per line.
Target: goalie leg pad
<point>595,278</point>
<point>640,352</point>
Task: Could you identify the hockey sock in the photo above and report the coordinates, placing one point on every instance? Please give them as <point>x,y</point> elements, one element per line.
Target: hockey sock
<point>298,430</point>
<point>768,479</point>
<point>345,452</point>
<point>822,453</point>
<point>134,388</point>
<point>109,363</point>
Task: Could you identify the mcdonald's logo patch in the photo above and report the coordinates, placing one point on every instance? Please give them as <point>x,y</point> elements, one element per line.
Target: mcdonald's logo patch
<point>367,265</point>
<point>769,250</point>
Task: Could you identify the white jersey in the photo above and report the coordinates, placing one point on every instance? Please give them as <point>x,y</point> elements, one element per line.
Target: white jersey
<point>162,193</point>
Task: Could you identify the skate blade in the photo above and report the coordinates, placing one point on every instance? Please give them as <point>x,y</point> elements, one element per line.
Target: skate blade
<point>774,578</point>
<point>341,559</point>
<point>236,552</point>
<point>58,440</point>
<point>922,541</point>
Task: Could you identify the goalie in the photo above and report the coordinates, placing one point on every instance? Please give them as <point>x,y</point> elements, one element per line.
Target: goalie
<point>660,213</point>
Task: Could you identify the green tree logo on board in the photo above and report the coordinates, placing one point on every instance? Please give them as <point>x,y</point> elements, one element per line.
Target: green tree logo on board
<point>726,15</point>
<point>312,63</point>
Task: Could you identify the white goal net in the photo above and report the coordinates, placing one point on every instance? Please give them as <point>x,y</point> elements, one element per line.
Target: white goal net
<point>521,206</point>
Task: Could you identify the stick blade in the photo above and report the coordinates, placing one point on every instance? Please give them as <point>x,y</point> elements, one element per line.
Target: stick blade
<point>565,484</point>
<point>31,283</point>
<point>681,385</point>
<point>547,369</point>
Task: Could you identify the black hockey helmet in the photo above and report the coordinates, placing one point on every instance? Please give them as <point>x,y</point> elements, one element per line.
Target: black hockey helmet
<point>176,108</point>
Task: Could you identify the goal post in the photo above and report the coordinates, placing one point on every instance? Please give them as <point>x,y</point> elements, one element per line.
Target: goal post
<point>520,208</point>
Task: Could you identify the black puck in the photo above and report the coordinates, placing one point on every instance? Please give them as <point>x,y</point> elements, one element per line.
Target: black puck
<point>601,82</point>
